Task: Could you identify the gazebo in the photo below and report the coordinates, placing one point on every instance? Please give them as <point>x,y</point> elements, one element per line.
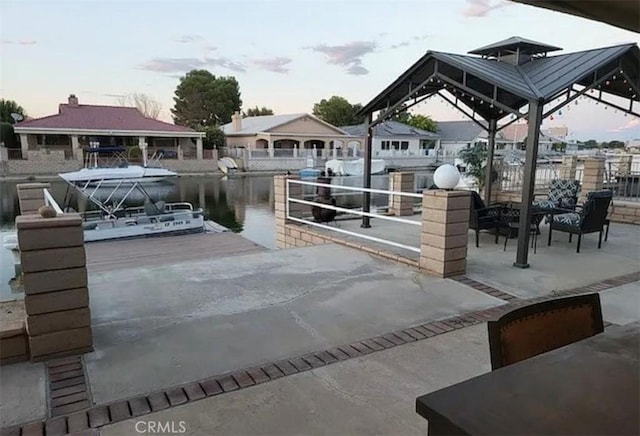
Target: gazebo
<point>501,83</point>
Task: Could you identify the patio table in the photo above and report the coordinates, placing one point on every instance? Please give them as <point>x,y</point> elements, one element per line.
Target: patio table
<point>588,387</point>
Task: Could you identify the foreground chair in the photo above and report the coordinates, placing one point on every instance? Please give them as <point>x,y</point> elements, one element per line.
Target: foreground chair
<point>535,329</point>
<point>483,217</point>
<point>591,218</point>
<point>563,194</point>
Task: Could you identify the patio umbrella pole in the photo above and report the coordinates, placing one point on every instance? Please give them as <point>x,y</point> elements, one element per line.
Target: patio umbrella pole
<point>493,124</point>
<point>535,118</point>
<point>366,182</point>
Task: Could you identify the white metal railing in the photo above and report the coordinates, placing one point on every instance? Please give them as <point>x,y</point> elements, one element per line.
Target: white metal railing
<point>289,200</point>
<point>50,201</point>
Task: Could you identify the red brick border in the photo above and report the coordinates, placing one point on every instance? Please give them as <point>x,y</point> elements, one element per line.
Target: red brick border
<point>489,290</point>
<point>67,386</point>
<point>87,421</point>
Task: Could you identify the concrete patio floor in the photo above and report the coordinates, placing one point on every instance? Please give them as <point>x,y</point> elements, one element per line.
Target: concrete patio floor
<point>162,325</point>
<point>551,268</point>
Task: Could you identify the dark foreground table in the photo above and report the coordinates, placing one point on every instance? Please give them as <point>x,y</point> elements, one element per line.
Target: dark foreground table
<point>591,387</point>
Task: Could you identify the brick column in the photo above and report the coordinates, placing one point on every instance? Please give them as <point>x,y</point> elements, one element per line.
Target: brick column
<point>279,191</point>
<point>199,152</point>
<point>4,154</point>
<point>55,284</point>
<point>445,226</point>
<point>593,176</point>
<point>568,167</point>
<point>401,182</point>
<point>31,197</point>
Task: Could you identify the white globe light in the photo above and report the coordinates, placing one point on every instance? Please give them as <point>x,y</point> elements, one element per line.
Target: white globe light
<point>446,176</point>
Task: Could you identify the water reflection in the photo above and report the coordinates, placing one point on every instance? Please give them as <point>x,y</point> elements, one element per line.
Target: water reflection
<point>244,204</point>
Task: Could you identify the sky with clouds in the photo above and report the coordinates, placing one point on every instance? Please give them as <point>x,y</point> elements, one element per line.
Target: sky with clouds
<point>286,54</point>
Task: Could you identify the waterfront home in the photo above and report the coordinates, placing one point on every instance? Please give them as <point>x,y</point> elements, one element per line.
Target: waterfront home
<point>458,135</point>
<point>393,138</point>
<point>55,143</point>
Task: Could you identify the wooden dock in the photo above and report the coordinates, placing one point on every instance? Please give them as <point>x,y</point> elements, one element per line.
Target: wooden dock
<point>110,255</point>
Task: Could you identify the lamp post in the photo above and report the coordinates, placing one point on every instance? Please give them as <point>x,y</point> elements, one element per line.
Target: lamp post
<point>446,177</point>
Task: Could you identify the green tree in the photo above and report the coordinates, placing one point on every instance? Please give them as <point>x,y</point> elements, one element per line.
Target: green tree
<point>257,111</point>
<point>215,138</point>
<point>8,107</point>
<point>402,117</point>
<point>8,136</point>
<point>423,122</point>
<point>558,146</point>
<point>202,100</point>
<point>614,144</point>
<point>338,111</point>
<point>475,159</point>
<point>591,143</point>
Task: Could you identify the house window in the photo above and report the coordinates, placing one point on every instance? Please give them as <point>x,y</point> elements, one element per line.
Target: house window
<point>385,145</point>
<point>404,145</point>
<point>395,145</point>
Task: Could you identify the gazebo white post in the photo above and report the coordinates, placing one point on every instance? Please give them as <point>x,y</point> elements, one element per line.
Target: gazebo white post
<point>535,119</point>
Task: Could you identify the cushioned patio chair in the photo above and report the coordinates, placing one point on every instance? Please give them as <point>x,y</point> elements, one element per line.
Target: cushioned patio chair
<point>535,329</point>
<point>563,194</point>
<point>483,217</point>
<point>589,218</point>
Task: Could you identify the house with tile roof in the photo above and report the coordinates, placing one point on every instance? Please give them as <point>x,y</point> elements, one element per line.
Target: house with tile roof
<point>289,135</point>
<point>65,135</point>
<point>393,138</point>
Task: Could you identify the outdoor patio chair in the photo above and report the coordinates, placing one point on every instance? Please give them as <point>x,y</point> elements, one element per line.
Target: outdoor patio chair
<point>535,329</point>
<point>590,218</point>
<point>563,194</point>
<point>483,217</point>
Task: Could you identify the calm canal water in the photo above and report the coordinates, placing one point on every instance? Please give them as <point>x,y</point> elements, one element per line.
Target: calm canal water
<point>244,204</point>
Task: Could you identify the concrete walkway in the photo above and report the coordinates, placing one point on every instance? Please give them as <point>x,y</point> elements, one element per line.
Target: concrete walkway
<point>161,326</point>
<point>158,326</point>
<point>374,394</point>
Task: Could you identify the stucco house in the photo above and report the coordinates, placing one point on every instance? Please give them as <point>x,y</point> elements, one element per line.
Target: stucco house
<point>393,138</point>
<point>55,143</point>
<point>458,135</point>
<point>289,135</point>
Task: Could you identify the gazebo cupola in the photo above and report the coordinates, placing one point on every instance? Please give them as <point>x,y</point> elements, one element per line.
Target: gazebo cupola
<point>514,50</point>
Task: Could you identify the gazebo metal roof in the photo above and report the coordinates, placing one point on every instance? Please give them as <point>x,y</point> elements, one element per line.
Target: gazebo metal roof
<point>619,13</point>
<point>515,79</point>
<point>495,89</point>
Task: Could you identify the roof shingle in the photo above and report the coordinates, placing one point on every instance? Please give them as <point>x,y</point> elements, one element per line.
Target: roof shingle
<point>93,117</point>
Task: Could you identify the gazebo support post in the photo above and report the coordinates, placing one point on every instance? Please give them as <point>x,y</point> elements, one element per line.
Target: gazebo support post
<point>488,180</point>
<point>533,134</point>
<point>366,182</point>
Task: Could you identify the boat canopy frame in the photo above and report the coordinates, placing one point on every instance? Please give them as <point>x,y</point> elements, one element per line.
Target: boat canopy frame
<point>90,187</point>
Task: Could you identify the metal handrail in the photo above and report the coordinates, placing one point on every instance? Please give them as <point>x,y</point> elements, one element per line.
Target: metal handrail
<point>352,188</point>
<point>289,200</point>
<point>50,201</point>
<point>355,212</point>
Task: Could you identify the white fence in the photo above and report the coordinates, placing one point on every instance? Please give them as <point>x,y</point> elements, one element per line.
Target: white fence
<point>356,212</point>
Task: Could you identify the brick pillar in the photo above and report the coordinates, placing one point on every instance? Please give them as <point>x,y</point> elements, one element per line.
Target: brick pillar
<point>445,224</point>
<point>4,154</point>
<point>31,197</point>
<point>568,167</point>
<point>55,284</point>
<point>593,176</point>
<point>295,209</point>
<point>401,182</point>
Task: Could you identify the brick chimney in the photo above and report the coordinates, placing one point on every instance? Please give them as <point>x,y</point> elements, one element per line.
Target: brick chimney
<point>73,100</point>
<point>236,120</point>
